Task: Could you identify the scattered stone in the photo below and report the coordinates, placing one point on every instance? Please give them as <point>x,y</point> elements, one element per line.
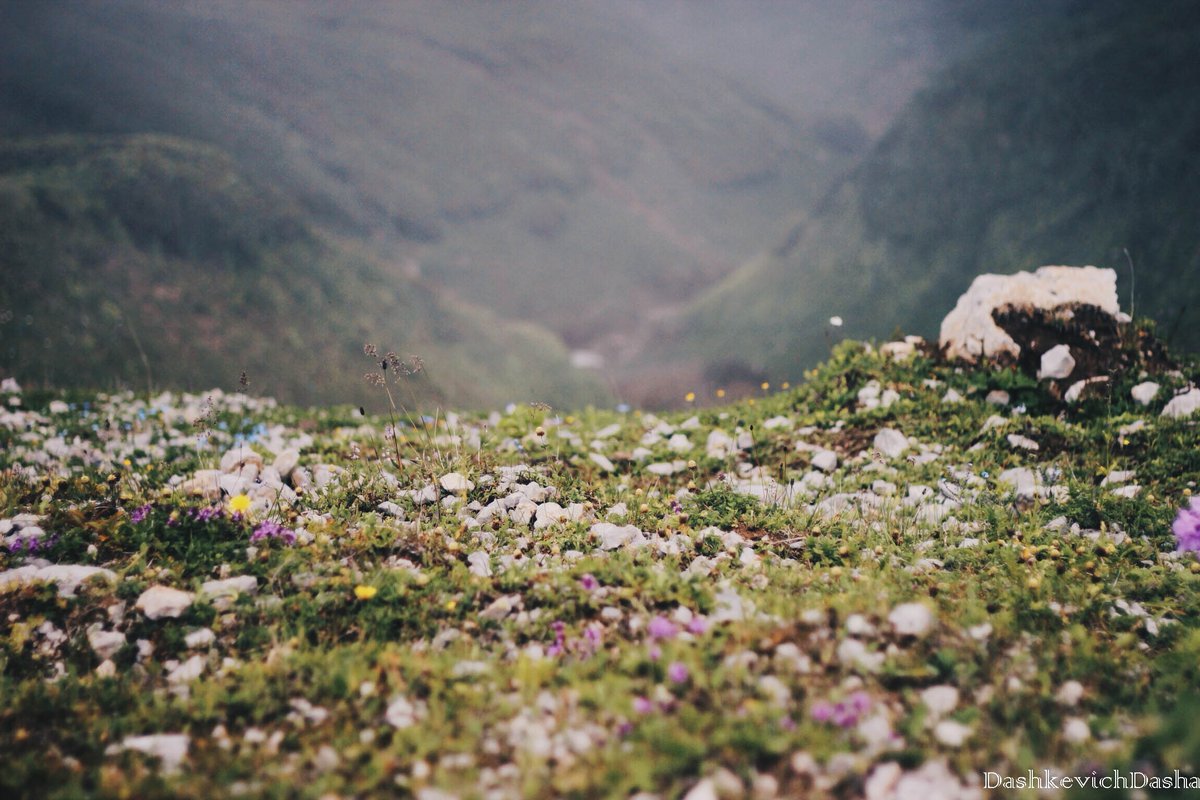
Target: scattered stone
<point>952,733</point>
<point>602,462</point>
<point>1069,694</point>
<point>825,460</point>
<point>1144,393</point>
<point>286,461</point>
<point>202,637</point>
<point>1075,390</point>
<point>163,601</point>
<point>997,397</point>
<point>949,397</point>
<point>1057,363</point>
<point>1076,730</point>
<point>613,536</point>
<point>105,644</point>
<point>169,748</point>
<point>1183,405</point>
<point>891,443</point>
<point>940,700</point>
<point>1020,442</point>
<point>911,619</point>
<point>455,483</point>
<point>67,577</point>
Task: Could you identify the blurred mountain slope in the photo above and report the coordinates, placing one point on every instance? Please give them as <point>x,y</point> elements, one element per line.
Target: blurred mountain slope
<point>130,261</point>
<point>1062,143</point>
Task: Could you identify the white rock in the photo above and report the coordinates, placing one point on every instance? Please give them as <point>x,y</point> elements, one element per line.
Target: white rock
<point>825,460</point>
<point>969,331</point>
<point>614,536</point>
<point>286,461</point>
<point>853,653</point>
<point>239,458</point>
<point>402,713</point>
<point>202,637</point>
<point>940,700</point>
<point>1057,363</point>
<point>1070,693</point>
<point>704,790</point>
<point>997,397</point>
<point>602,462</point>
<point>204,483</point>
<point>105,644</point>
<point>1017,441</point>
<point>480,564</point>
<point>1076,389</point>
<point>951,733</point>
<point>229,588</point>
<point>1183,405</point>
<point>455,483</point>
<point>163,601</point>
<point>1144,392</point>
<point>949,397</point>
<point>169,748</point>
<point>67,577</point>
<point>880,784</point>
<point>1024,480</point>
<point>892,443</point>
<point>911,619</point>
<point>549,514</point>
<point>679,443</point>
<point>1076,730</point>
<point>188,671</point>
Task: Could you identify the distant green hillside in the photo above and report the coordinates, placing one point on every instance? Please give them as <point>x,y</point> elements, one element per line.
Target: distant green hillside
<point>1060,145</point>
<point>148,259</point>
<point>548,159</point>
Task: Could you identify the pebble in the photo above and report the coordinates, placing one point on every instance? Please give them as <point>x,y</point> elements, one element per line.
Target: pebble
<point>1183,405</point>
<point>911,619</point>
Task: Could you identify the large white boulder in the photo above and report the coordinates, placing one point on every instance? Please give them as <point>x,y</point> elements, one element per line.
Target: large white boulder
<point>969,331</point>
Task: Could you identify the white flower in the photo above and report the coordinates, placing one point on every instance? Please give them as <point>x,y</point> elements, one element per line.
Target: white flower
<point>835,321</point>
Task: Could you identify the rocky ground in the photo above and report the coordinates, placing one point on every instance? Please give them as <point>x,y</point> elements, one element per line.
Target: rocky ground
<point>888,582</point>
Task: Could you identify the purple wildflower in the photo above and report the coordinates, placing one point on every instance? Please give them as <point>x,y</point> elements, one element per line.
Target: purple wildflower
<point>677,672</point>
<point>589,582</point>
<point>141,513</point>
<point>205,514</point>
<point>270,529</point>
<point>1187,527</point>
<point>697,626</point>
<point>822,711</point>
<point>643,705</point>
<point>787,723</point>
<point>661,628</point>
<point>655,652</point>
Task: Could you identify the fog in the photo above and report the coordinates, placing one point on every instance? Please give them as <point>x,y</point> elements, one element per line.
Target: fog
<point>590,171</point>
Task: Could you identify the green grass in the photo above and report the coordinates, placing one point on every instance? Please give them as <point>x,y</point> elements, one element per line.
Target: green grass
<point>545,677</point>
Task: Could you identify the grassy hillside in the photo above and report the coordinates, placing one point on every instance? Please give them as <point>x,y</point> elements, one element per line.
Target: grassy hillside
<point>556,162</point>
<point>800,596</point>
<point>148,260</point>
<point>1064,143</point>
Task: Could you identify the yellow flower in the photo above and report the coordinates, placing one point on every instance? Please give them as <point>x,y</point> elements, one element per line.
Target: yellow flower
<point>765,386</point>
<point>690,397</point>
<point>451,605</point>
<point>239,504</point>
<point>365,592</point>
<point>720,392</point>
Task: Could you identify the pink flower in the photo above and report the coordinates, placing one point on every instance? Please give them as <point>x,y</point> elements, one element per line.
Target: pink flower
<point>677,672</point>
<point>697,626</point>
<point>1187,527</point>
<point>661,628</point>
<point>822,711</point>
<point>589,582</point>
<point>642,705</point>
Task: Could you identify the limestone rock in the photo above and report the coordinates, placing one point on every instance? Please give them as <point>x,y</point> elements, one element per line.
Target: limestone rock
<point>969,332</point>
<point>1057,362</point>
<point>1183,405</point>
<point>892,443</point>
<point>1144,392</point>
<point>163,601</point>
